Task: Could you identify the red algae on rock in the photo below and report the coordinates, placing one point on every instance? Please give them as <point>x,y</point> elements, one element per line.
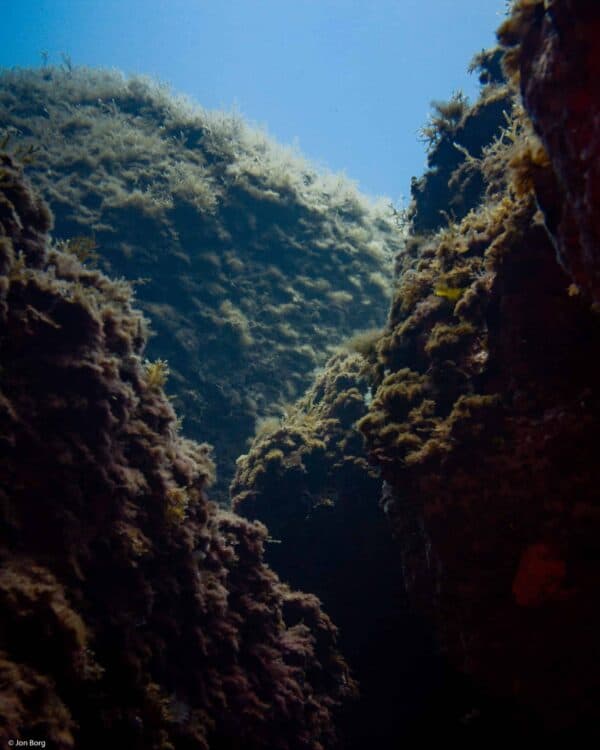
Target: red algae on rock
<point>134,612</point>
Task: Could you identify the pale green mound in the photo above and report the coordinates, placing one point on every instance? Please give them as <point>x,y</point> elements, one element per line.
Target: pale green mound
<point>254,263</point>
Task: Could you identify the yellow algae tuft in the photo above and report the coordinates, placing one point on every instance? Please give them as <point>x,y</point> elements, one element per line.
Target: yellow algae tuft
<point>157,373</point>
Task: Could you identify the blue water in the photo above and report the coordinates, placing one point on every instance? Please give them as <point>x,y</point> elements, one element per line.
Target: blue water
<point>350,80</point>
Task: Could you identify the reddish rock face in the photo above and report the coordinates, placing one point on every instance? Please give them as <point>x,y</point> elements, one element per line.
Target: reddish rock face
<point>557,61</point>
<point>492,472</point>
<point>540,577</point>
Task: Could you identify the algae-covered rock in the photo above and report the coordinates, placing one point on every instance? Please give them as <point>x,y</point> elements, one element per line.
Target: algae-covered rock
<point>313,457</point>
<point>456,135</point>
<point>453,398</point>
<point>134,612</point>
<point>250,264</point>
<point>307,477</point>
<point>484,423</point>
<point>553,56</point>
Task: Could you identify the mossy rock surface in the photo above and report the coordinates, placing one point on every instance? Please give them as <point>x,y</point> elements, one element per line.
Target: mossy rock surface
<point>135,613</point>
<point>251,263</point>
<point>484,423</point>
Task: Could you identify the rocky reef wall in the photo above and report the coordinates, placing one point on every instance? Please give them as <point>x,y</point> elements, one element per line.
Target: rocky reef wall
<point>308,477</point>
<point>134,613</point>
<point>447,460</point>
<point>553,59</point>
<point>485,419</point>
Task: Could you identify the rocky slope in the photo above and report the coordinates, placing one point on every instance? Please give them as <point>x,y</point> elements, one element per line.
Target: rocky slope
<point>134,613</point>
<point>479,408</point>
<point>308,478</point>
<point>248,262</point>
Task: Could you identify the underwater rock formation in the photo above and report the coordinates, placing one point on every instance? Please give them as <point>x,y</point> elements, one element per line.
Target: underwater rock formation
<point>485,424</point>
<point>554,48</point>
<point>456,135</point>
<point>133,612</point>
<point>485,415</point>
<point>251,263</point>
<point>307,477</point>
<point>308,461</point>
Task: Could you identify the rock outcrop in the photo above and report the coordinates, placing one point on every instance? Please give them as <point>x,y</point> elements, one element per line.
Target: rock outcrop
<point>472,419</point>
<point>485,419</point>
<point>554,58</point>
<point>481,404</point>
<point>134,613</point>
<point>247,261</point>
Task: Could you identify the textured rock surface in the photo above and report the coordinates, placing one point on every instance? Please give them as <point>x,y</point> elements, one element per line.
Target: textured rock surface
<point>555,59</point>
<point>479,405</point>
<point>413,388</point>
<point>456,136</point>
<point>133,612</point>
<point>252,264</point>
<point>485,424</point>
<point>308,479</point>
